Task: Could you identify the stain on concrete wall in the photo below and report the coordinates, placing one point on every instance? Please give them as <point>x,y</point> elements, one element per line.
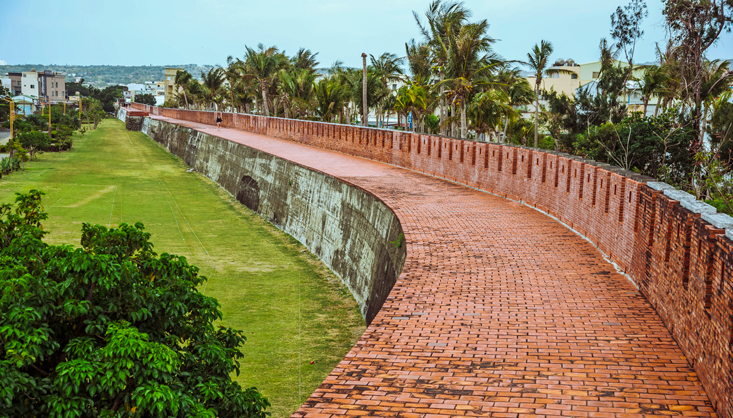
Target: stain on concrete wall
<point>346,227</point>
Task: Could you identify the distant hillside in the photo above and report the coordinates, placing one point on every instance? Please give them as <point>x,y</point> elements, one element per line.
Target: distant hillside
<point>105,75</point>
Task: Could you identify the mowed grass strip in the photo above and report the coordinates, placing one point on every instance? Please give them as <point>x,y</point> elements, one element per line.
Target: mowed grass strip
<point>292,309</point>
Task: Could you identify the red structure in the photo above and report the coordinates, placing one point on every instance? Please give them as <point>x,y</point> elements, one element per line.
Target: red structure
<point>613,357</point>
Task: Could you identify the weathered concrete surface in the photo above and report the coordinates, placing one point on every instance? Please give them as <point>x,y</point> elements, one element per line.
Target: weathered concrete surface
<point>132,122</point>
<point>345,226</point>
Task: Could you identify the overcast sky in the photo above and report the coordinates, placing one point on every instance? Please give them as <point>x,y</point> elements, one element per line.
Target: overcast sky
<point>142,32</point>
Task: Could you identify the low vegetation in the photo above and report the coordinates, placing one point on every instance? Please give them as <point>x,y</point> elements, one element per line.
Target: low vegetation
<point>110,329</point>
<point>298,318</point>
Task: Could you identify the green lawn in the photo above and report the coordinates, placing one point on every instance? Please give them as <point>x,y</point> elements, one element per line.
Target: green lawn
<point>292,309</point>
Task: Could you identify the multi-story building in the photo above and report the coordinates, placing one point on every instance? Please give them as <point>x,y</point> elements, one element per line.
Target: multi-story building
<point>15,83</point>
<point>169,82</point>
<point>566,81</point>
<point>46,85</point>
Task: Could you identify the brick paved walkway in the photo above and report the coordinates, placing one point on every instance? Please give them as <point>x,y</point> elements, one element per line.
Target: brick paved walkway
<point>500,311</point>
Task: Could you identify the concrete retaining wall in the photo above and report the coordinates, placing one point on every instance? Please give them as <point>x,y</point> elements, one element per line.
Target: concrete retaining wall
<point>346,227</point>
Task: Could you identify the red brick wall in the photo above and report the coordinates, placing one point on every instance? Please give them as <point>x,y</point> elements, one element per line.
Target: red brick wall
<point>681,263</point>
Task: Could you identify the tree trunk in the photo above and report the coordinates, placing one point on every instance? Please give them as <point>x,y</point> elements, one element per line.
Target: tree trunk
<point>265,105</point>
<point>506,126</point>
<point>464,125</point>
<point>703,124</point>
<point>656,109</point>
<point>646,103</point>
<point>453,120</point>
<point>257,105</point>
<point>365,109</point>
<point>442,104</point>
<point>536,114</point>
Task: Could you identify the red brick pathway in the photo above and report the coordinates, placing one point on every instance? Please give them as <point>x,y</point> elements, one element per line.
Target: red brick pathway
<point>499,311</point>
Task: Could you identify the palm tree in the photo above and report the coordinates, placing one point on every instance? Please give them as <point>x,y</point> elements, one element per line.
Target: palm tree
<point>538,60</point>
<point>470,65</point>
<point>653,82</point>
<point>412,98</point>
<point>388,69</point>
<point>304,59</point>
<point>444,20</point>
<point>261,67</point>
<point>329,96</point>
<point>518,92</point>
<point>716,77</point>
<point>213,83</point>
<point>233,74</point>
<point>296,89</point>
<point>488,109</point>
<point>183,78</point>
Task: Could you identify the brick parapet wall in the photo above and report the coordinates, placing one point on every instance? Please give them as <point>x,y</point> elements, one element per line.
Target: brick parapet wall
<point>681,262</point>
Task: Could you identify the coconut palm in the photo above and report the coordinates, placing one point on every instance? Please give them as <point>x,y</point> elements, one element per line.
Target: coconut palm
<point>388,68</point>
<point>471,63</point>
<point>538,61</point>
<point>329,97</point>
<point>412,98</point>
<point>296,88</point>
<point>653,81</point>
<point>518,92</point>
<point>444,20</point>
<point>716,78</point>
<point>488,109</point>
<point>213,84</point>
<point>262,66</point>
<point>183,78</point>
<point>233,75</point>
<point>304,59</point>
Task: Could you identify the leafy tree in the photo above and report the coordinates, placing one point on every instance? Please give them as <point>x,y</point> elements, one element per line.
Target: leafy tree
<point>111,329</point>
<point>626,30</point>
<point>694,26</point>
<point>94,111</point>
<point>34,141</point>
<point>147,99</point>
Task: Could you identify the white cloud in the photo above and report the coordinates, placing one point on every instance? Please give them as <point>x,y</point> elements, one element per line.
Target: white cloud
<point>3,62</point>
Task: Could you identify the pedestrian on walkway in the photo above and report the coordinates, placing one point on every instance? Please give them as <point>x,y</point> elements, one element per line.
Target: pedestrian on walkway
<point>218,121</point>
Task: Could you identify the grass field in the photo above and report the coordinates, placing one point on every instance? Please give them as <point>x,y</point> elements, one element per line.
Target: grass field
<point>292,309</point>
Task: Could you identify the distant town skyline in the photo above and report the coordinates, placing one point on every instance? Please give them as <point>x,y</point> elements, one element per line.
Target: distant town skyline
<point>206,32</point>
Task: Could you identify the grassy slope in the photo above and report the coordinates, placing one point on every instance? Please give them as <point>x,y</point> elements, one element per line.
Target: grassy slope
<point>261,276</point>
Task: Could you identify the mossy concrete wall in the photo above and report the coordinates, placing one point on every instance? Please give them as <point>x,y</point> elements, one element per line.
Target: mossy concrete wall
<point>349,229</point>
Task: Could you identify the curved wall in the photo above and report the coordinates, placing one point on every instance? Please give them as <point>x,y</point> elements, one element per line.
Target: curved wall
<point>346,227</point>
<point>676,249</point>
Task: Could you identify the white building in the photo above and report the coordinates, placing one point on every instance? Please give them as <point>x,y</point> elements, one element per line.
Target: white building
<point>46,85</point>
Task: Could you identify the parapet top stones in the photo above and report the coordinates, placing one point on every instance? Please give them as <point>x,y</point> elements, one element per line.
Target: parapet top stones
<point>688,201</point>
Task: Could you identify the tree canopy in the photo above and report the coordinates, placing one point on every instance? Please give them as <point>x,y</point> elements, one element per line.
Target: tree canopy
<point>111,329</point>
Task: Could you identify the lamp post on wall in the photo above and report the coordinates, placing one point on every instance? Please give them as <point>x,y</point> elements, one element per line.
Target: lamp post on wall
<point>364,109</point>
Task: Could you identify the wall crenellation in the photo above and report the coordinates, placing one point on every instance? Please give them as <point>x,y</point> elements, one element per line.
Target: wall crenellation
<point>678,251</point>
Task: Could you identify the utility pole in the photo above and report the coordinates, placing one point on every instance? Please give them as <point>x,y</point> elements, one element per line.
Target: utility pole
<point>49,117</point>
<point>365,109</point>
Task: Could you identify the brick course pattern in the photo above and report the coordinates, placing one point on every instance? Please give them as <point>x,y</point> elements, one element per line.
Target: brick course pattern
<point>502,311</point>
